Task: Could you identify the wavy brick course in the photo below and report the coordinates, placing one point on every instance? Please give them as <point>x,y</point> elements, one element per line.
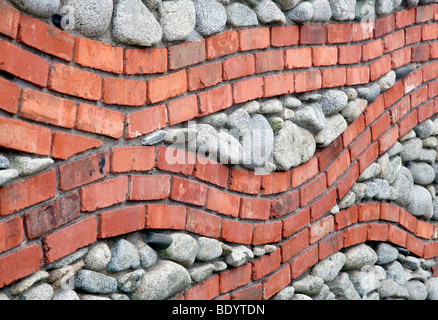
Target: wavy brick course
<point>100,169</point>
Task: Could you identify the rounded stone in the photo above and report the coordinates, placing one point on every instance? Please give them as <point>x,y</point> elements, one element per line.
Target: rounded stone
<point>183,250</point>
<point>336,125</point>
<point>40,8</point>
<point>178,19</point>
<point>158,241</point>
<point>124,255</point>
<point>130,281</point>
<point>322,11</point>
<point>230,150</point>
<point>417,290</point>
<point>148,256</point>
<point>98,257</point>
<point>311,118</point>
<point>411,149</point>
<point>268,12</point>
<point>328,268</point>
<point>421,204</point>
<point>386,81</point>
<point>343,10</point>
<point>91,17</point>
<point>404,184</point>
<point>386,253</point>
<point>95,282</point>
<point>358,256</point>
<point>43,291</point>
<point>309,285</point>
<point>302,12</point>
<point>240,15</point>
<point>211,17</point>
<point>209,249</point>
<point>65,294</point>
<point>333,101</point>
<point>422,173</point>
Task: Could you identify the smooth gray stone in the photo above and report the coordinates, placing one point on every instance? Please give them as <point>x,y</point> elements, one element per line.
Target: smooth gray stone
<point>40,8</point>
<point>124,255</point>
<point>154,138</point>
<point>148,256</point>
<point>239,15</point>
<point>130,281</point>
<point>311,118</point>
<point>4,162</point>
<point>183,250</point>
<point>95,282</point>
<point>333,101</point>
<point>309,285</point>
<point>322,12</point>
<point>343,10</point>
<point>158,241</point>
<point>422,173</point>
<point>91,17</point>
<point>209,249</point>
<point>211,17</point>
<point>98,257</point>
<point>43,291</point>
<point>268,12</point>
<point>421,204</point>
<point>301,13</point>
<point>358,256</point>
<point>328,268</point>
<point>178,19</point>
<point>386,253</point>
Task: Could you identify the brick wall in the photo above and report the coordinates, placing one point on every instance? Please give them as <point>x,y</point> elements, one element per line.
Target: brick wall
<point>84,103</point>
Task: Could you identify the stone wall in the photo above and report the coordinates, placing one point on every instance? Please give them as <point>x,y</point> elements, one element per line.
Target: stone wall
<point>116,132</point>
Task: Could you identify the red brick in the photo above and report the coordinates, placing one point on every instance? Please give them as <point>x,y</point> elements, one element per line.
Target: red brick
<point>384,25</point>
<point>11,233</point>
<point>10,19</point>
<point>145,121</point>
<point>424,13</point>
<point>433,89</point>
<point>234,278</point>
<point>368,156</point>
<point>98,55</point>
<point>397,236</point>
<point>255,208</point>
<point>394,41</point>
<point>374,110</point>
<point>325,56</point>
<point>238,67</point>
<point>408,123</point>
<point>188,191</point>
<point>350,54</point>
<point>338,167</point>
<point>100,120</point>
<point>323,204</point>
<point>295,222</point>
<point>393,94</point>
<point>400,109</point>
<point>379,67</point>
<point>330,245</point>
<point>283,36</point>
<point>353,130</point>
<point>164,216</point>
<point>23,136</point>
<point>124,92</point>
<point>426,111</point>
<point>45,38</point>
<point>372,50</point>
<point>360,144</point>
<point>9,94</point>
<point>246,90</point>
<point>414,245</point>
<point>83,171</point>
<point>166,87</point>
<point>23,64</point>
<point>267,233</point>
<point>412,35</point>
<point>68,239</point>
<point>362,31</point>
<point>266,61</point>
<point>345,218</point>
<point>276,182</point>
<point>304,261</point>
<point>211,171</point>
<point>400,57</point>
<point>358,75</point>
<point>321,229</point>
<point>48,109</point>
<point>236,231</point>
<point>389,212</point>
<point>27,192</point>
<point>138,61</point>
<point>329,153</point>
<point>408,221</point>
<point>355,235</point>
<point>48,217</point>
<point>206,290</point>
<point>308,81</point>
<point>377,232</point>
<point>369,211</point>
<point>254,38</point>
<point>245,181</point>
<point>420,53</point>
<point>204,224</point>
<point>430,250</point>
<point>140,187</point>
<point>103,194</point>
<point>222,44</point>
<point>215,99</point>
<point>75,82</point>
<point>182,109</point>
<point>223,202</point>
<point>20,263</point>
<point>347,180</point>
<point>278,84</point>
<point>413,81</point>
<point>132,158</point>
<point>313,34</point>
<point>65,145</point>
<point>298,58</point>
<point>294,245</point>
<point>430,72</point>
<point>424,229</point>
<point>204,76</point>
<point>404,18</point>
<point>429,32</point>
<point>433,51</point>
<point>276,282</point>
<point>388,140</point>
<point>175,160</point>
<point>335,77</point>
<point>265,265</point>
<point>304,172</point>
<point>380,125</point>
<point>338,33</point>
<point>121,221</point>
<point>186,54</point>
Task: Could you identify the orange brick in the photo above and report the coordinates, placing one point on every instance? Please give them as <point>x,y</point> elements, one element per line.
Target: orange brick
<point>265,265</point>
<point>276,182</point>
<point>222,44</point>
<point>247,90</point>
<point>204,76</point>
<point>45,38</point>
<point>254,38</point>
<point>303,262</point>
<point>284,204</point>
<point>330,245</point>
<point>182,109</point>
<point>377,232</point>
<point>320,229</point>
<point>234,278</point>
<point>204,224</point>
<point>165,87</point>
<point>298,58</point>
<point>11,233</point>
<point>164,216</point>
<point>345,218</point>
<point>103,194</point>
<point>379,67</point>
<point>65,145</point>
<point>355,235</point>
<point>334,77</point>
<point>394,41</point>
<point>206,290</point>
<point>121,221</point>
<point>372,50</point>
<point>369,211</point>
<point>124,92</point>
<point>424,13</point>
<point>279,84</point>
<point>223,202</point>
<point>9,95</point>
<point>140,187</point>
<point>323,204</point>
<point>362,31</point>
<point>412,35</point>
<point>186,54</point>
<point>215,99</point>
<point>404,18</point>
<point>175,160</point>
<point>132,158</point>
<point>10,19</point>
<point>255,208</point>
<point>276,282</point>
<point>269,61</point>
<point>211,171</point>
<point>48,109</point>
<point>98,55</point>
<point>348,179</point>
<point>338,33</point>
<point>313,189</point>
<point>313,34</point>
<point>397,236</point>
<point>188,191</point>
<point>358,75</point>
<point>100,120</point>
<point>236,231</point>
<point>138,61</point>
<point>244,181</point>
<point>384,25</point>
<point>389,212</point>
<point>238,67</point>
<point>349,54</point>
<point>75,82</point>
<point>267,233</point>
<point>283,36</point>
<point>294,245</point>
<point>308,81</point>
<point>295,222</point>
<point>338,167</point>
<point>325,56</point>
<point>145,121</point>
